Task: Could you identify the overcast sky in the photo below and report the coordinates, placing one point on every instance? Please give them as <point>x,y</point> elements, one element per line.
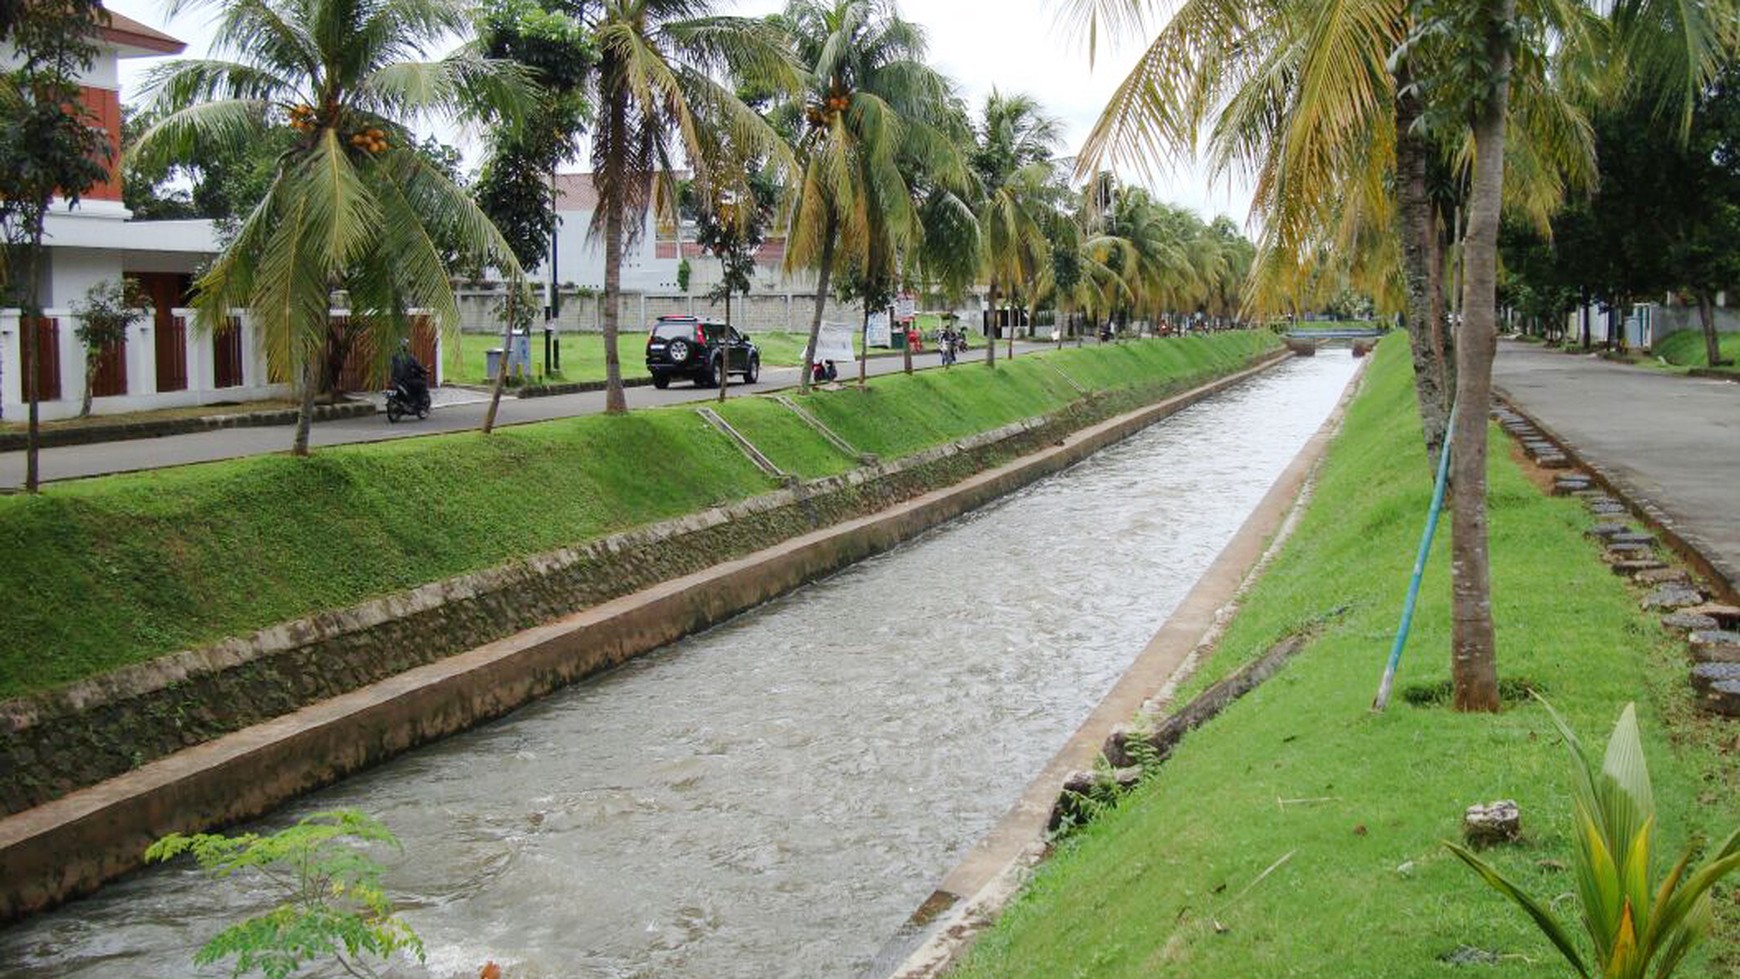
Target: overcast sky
<point>1014,45</point>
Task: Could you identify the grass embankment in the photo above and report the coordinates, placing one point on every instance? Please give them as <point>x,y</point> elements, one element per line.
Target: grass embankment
<point>1685,348</point>
<point>100,573</point>
<point>1356,805</point>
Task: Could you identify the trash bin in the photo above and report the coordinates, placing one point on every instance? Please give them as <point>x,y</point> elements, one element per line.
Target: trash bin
<point>897,338</point>
<point>492,362</point>
<point>520,363</point>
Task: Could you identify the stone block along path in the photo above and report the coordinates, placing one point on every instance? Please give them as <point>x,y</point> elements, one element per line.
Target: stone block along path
<point>1670,443</point>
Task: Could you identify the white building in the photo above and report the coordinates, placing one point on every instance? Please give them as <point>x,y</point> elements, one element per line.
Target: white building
<point>580,255</point>
<point>650,265</point>
<point>164,362</point>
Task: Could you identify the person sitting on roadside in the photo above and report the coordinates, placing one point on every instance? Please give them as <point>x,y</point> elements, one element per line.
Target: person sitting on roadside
<point>409,374</point>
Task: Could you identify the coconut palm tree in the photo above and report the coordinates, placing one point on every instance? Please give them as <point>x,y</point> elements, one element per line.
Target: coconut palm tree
<point>1312,95</point>
<point>660,81</point>
<point>352,207</point>
<point>874,119</point>
<point>1304,95</point>
<point>1015,145</point>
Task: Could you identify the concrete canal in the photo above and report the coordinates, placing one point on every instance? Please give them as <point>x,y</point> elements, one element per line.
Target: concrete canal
<point>775,796</point>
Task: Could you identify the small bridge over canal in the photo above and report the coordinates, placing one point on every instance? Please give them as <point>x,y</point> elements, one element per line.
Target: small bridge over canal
<point>1361,338</point>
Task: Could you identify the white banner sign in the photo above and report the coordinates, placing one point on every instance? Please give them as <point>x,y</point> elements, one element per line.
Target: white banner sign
<point>905,307</point>
<point>881,335</point>
<point>834,342</point>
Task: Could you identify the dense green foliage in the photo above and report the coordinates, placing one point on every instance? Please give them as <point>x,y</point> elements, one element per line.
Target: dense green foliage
<point>548,39</point>
<point>104,572</point>
<point>1354,805</point>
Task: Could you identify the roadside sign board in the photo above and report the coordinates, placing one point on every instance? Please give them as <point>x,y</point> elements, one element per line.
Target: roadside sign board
<point>905,306</point>
<point>834,342</point>
<point>881,333</point>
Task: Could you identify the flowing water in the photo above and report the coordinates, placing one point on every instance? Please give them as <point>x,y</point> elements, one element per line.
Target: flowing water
<point>775,796</point>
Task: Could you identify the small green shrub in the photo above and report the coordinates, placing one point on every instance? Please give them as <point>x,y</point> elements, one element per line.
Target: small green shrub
<point>334,907</point>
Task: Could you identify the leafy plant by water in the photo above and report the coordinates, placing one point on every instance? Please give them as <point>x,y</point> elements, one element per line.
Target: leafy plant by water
<point>1637,927</point>
<point>334,907</point>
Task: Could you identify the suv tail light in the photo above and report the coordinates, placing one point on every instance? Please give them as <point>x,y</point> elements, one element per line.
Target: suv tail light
<point>700,336</point>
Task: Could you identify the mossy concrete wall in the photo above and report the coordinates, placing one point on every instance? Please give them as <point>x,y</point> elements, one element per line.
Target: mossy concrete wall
<point>242,726</point>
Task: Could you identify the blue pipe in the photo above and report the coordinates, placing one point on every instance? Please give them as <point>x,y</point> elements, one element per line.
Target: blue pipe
<point>1383,694</point>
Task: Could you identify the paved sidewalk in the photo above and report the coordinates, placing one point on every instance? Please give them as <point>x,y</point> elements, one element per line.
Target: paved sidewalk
<point>73,462</point>
<point>1670,443</point>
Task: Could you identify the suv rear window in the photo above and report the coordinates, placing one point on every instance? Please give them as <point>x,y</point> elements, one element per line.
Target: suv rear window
<point>670,329</point>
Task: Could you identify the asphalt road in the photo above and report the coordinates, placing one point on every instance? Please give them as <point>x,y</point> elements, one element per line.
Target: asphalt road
<point>79,461</point>
<point>1668,441</point>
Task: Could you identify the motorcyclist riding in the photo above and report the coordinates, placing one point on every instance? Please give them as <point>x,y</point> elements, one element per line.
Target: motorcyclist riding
<point>410,376</point>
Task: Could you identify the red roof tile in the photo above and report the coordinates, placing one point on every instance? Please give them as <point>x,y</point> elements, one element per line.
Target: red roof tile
<point>126,31</point>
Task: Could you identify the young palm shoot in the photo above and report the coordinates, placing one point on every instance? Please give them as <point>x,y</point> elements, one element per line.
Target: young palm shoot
<point>1636,927</point>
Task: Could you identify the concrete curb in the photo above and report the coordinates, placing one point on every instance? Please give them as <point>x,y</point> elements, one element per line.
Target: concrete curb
<point>971,896</point>
<point>128,431</point>
<point>1703,558</point>
<point>76,843</point>
<point>576,387</point>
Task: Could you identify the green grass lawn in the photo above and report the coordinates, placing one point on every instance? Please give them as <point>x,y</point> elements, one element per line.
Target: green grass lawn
<point>1352,805</point>
<point>1685,348</point>
<point>104,572</point>
<point>787,440</point>
<point>583,355</point>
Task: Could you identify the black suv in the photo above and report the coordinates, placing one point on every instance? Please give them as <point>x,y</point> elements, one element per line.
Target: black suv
<point>684,346</point>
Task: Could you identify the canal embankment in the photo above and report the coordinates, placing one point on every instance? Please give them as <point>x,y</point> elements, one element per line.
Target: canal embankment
<point>1299,833</point>
<point>323,676</point>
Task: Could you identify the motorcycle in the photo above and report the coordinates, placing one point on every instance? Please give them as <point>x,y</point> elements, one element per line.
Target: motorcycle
<point>823,371</point>
<point>950,345</point>
<point>401,402</point>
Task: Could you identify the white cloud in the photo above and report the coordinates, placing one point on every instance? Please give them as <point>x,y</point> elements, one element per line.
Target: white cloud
<point>1014,45</point>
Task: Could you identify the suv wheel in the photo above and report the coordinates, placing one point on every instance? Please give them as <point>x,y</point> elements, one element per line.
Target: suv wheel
<point>753,374</point>
<point>709,375</point>
<point>661,380</point>
<point>678,351</point>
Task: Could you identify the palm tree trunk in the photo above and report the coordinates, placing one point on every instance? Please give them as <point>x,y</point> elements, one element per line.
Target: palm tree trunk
<point>823,274</point>
<point>991,328</point>
<point>1707,318</point>
<point>1420,273</point>
<point>615,399</point>
<point>305,414</point>
<point>1473,656</point>
<point>501,367</point>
